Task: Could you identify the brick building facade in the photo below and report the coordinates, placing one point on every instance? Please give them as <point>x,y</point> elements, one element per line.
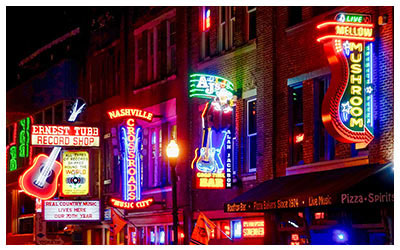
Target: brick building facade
<point>142,57</point>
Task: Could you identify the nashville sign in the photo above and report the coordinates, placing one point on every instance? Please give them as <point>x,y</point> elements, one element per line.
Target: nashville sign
<point>347,108</point>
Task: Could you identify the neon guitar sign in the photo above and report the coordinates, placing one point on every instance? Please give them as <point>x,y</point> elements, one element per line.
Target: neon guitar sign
<point>41,179</point>
<point>347,108</point>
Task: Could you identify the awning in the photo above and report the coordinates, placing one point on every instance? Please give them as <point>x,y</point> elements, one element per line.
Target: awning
<point>361,185</point>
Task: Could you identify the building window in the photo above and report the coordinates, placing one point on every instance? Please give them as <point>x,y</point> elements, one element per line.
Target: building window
<point>251,135</point>
<point>324,143</point>
<point>155,50</point>
<point>226,27</point>
<point>294,15</point>
<point>205,25</point>
<point>296,124</point>
<point>252,27</point>
<point>155,170</point>
<point>171,53</point>
<point>26,209</point>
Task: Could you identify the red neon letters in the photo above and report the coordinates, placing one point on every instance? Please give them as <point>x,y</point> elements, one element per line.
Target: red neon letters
<point>125,112</point>
<point>131,204</point>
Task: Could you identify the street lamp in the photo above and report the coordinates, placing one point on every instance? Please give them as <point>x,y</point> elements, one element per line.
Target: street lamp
<point>173,153</point>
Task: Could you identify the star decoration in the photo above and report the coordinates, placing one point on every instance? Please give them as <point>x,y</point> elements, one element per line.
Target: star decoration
<point>346,110</point>
<point>346,47</point>
<point>368,89</point>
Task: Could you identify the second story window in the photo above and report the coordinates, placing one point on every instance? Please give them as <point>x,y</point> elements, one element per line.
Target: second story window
<point>324,143</point>
<point>155,50</point>
<point>296,124</point>
<point>205,24</point>
<point>226,27</point>
<point>294,15</point>
<point>251,135</point>
<point>252,27</point>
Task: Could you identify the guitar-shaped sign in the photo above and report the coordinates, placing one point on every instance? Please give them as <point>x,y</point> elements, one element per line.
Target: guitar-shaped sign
<point>41,179</point>
<point>209,160</point>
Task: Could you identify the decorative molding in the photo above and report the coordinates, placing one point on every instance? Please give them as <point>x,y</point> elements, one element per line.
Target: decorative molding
<point>328,165</point>
<point>308,76</point>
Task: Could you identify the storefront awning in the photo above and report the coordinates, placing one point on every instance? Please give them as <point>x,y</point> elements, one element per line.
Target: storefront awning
<point>361,185</point>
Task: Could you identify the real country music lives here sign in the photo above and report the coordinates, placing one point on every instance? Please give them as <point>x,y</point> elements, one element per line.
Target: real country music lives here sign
<point>59,135</point>
<point>347,108</point>
<point>71,210</point>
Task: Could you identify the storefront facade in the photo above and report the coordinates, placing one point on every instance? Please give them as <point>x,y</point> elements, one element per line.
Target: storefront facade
<point>244,86</point>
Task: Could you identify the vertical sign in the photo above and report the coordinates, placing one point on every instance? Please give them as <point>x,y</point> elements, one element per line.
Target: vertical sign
<point>228,157</point>
<point>75,175</point>
<point>347,109</point>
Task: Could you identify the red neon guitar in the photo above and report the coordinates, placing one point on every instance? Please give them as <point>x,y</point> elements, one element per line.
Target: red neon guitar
<point>41,179</point>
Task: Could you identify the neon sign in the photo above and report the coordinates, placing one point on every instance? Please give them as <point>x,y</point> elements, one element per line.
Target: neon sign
<point>213,160</point>
<point>130,145</point>
<point>135,113</point>
<point>20,147</point>
<point>253,228</point>
<point>206,19</point>
<point>132,204</point>
<point>56,135</point>
<point>347,109</point>
<point>216,88</point>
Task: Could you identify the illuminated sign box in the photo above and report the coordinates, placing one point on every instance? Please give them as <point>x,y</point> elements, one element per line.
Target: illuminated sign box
<point>75,175</point>
<point>253,228</point>
<point>56,135</point>
<point>71,210</point>
<point>347,109</point>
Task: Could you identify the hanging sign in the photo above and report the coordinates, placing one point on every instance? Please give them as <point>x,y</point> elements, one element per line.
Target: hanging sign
<point>216,88</point>
<point>75,174</point>
<point>19,147</point>
<point>71,210</point>
<point>132,204</point>
<point>130,135</point>
<point>59,135</point>
<point>213,160</point>
<point>347,108</point>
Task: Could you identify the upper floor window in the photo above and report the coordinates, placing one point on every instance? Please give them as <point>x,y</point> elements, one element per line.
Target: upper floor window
<point>324,144</point>
<point>103,75</point>
<point>296,130</point>
<point>294,15</point>
<point>205,24</point>
<point>251,20</point>
<point>226,27</point>
<point>251,135</point>
<point>155,50</point>
<point>155,166</point>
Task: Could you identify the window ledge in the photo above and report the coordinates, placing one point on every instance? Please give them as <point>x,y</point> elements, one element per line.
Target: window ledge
<point>235,51</point>
<point>249,176</point>
<point>327,165</point>
<point>157,190</point>
<point>155,84</point>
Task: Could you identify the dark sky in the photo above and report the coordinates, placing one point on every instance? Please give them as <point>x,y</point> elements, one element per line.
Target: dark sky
<point>30,28</point>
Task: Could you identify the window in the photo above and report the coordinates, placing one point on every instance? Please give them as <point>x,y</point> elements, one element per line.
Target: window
<point>205,25</point>
<point>251,135</point>
<point>156,170</point>
<point>155,50</point>
<point>294,15</point>
<point>171,56</point>
<point>252,28</point>
<point>324,143</point>
<point>296,124</point>
<point>103,74</point>
<point>226,29</point>
<point>26,209</point>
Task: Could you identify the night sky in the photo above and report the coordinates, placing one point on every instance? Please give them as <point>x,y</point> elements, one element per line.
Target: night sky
<point>30,28</point>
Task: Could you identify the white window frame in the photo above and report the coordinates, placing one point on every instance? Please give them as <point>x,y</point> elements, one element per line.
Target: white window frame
<point>248,146</point>
<point>229,29</point>
<point>169,46</point>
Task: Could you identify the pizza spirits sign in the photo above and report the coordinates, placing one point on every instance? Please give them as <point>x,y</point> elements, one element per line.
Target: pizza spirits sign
<point>347,109</point>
